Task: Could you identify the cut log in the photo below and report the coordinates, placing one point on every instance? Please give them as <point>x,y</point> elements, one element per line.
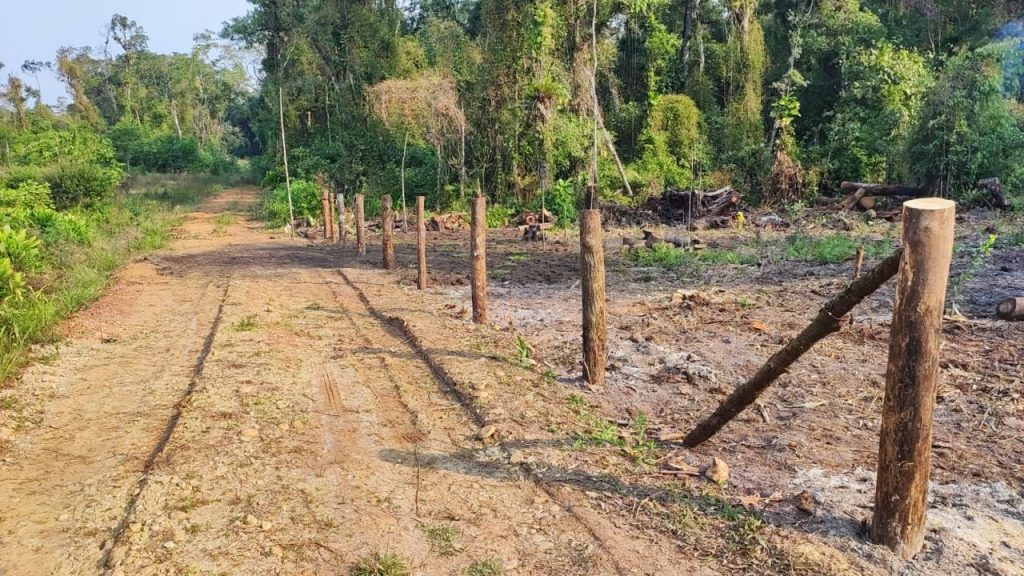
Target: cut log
<point>1011,309</point>
<point>884,189</point>
<point>904,448</point>
<point>867,202</point>
<point>851,200</point>
<point>828,320</point>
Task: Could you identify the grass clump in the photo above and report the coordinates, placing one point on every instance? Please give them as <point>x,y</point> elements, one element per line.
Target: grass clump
<point>832,249</point>
<point>246,324</point>
<point>669,257</point>
<point>488,567</point>
<point>633,441</point>
<point>442,538</point>
<point>381,564</point>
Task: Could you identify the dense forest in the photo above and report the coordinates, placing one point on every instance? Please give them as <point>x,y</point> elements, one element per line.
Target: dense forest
<point>782,99</point>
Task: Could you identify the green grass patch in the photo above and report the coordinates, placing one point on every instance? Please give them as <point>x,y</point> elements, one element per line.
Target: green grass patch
<point>669,257</point>
<point>832,249</point>
<point>443,539</point>
<point>488,567</point>
<point>246,324</point>
<point>381,564</point>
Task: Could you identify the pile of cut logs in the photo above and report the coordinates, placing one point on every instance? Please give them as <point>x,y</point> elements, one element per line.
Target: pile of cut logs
<point>866,197</point>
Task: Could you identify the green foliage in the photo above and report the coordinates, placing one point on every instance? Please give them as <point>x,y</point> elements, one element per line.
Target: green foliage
<point>561,199</point>
<point>12,282</point>
<point>966,131</point>
<point>21,249</point>
<point>500,215</point>
<point>306,203</point>
<point>675,145</point>
<point>983,252</point>
<point>883,88</point>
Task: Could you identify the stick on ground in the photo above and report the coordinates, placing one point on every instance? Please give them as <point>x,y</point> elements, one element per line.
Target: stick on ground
<point>827,321</point>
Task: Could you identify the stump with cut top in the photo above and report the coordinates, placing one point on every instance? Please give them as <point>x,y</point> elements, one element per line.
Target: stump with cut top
<point>904,453</point>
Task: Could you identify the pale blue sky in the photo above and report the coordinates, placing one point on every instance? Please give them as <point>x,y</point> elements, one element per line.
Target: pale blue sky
<point>35,29</point>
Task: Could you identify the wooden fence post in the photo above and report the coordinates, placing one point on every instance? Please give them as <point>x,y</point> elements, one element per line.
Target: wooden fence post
<point>904,452</point>
<point>325,201</point>
<point>333,220</point>
<point>421,243</point>
<point>342,231</point>
<point>387,219</point>
<point>360,225</point>
<point>595,343</point>
<point>478,256</point>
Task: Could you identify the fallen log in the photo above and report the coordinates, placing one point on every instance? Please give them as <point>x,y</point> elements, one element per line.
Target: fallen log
<point>828,321</point>
<point>1011,309</point>
<point>884,189</point>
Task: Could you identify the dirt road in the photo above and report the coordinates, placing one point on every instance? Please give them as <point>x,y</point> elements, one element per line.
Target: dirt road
<point>232,407</point>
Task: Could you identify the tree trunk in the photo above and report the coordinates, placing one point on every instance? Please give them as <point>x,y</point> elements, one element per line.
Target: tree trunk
<point>1011,309</point>
<point>883,189</point>
<point>405,216</point>
<point>284,152</point>
<point>325,205</point>
<point>478,255</point>
<point>421,243</point>
<point>387,220</point>
<point>828,320</point>
<point>904,452</point>
<point>595,342</point>
<point>360,225</point>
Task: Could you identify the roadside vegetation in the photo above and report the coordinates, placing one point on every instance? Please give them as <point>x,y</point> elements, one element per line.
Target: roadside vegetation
<point>87,186</point>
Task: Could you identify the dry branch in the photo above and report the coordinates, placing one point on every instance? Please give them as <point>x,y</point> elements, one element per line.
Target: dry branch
<point>827,321</point>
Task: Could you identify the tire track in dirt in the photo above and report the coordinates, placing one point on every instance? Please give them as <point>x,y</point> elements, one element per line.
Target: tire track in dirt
<point>79,458</point>
<point>165,437</point>
<point>446,384</point>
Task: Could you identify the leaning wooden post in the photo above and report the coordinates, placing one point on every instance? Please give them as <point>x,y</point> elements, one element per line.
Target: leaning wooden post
<point>595,342</point>
<point>360,224</point>
<point>904,452</point>
<point>387,220</point>
<point>478,256</point>
<point>342,231</point>
<point>421,243</point>
<point>828,321</point>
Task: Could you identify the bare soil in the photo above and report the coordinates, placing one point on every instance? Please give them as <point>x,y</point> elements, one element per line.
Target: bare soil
<point>246,403</point>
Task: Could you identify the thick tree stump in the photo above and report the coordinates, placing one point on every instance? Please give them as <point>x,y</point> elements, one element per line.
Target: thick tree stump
<point>421,243</point>
<point>478,256</point>
<point>342,231</point>
<point>595,341</point>
<point>387,221</point>
<point>360,224</point>
<point>904,452</point>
